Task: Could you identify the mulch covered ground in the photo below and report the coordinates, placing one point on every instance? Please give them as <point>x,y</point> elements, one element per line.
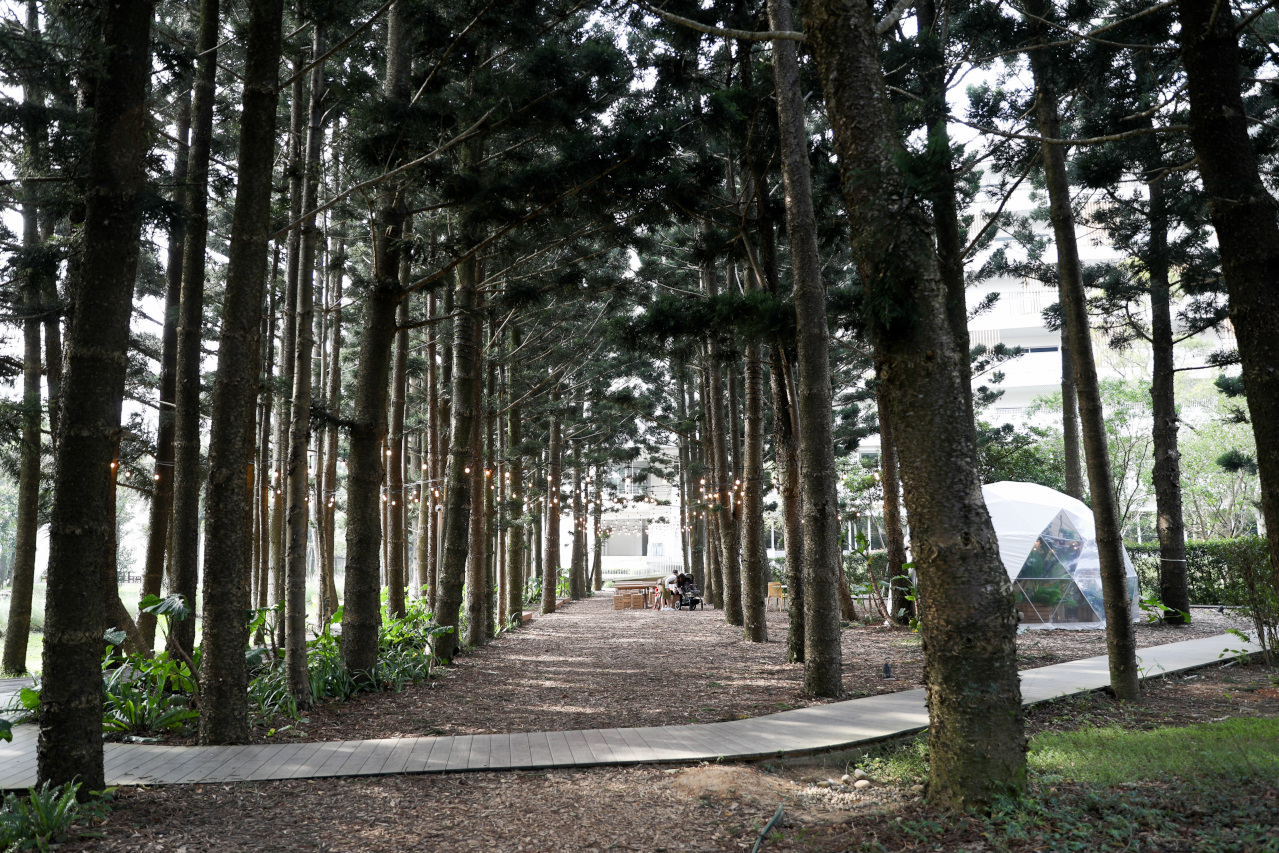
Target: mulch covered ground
<point>718,808</point>
<point>589,666</point>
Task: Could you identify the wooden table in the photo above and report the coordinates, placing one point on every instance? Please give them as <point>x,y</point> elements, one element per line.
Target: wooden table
<point>630,587</point>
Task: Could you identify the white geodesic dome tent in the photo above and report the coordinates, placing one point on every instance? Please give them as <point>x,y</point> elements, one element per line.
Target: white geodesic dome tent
<point>1048,543</point>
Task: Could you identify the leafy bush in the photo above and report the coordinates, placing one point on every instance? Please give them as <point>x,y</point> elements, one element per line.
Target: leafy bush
<point>1216,569</point>
<point>45,816</point>
<point>406,654</point>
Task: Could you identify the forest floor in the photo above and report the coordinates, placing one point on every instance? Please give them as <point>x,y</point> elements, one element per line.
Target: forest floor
<point>591,666</point>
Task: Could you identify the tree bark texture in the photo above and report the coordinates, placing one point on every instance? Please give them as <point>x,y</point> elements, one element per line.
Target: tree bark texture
<point>297,513</point>
<point>900,608</point>
<point>754,578</point>
<point>1121,643</point>
<point>27,523</point>
<point>477,562</point>
<point>786,451</point>
<point>1243,214</point>
<point>457,485</point>
<point>224,677</point>
<point>184,560</point>
<point>1166,469</point>
<point>551,560</point>
<point>81,529</point>
<point>823,659</point>
<point>976,739</point>
<point>577,567</point>
<point>158,528</point>
<point>397,498</point>
<point>515,502</point>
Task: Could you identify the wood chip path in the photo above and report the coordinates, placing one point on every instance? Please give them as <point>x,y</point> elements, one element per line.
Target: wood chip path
<point>806,730</point>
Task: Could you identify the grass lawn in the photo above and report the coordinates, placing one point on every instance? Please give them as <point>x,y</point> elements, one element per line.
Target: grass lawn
<point>1207,787</point>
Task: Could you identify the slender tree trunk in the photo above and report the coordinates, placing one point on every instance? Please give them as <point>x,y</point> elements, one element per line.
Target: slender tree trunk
<point>224,678</point>
<point>1243,214</point>
<point>397,570</point>
<point>461,467</point>
<point>725,506</point>
<point>976,741</point>
<point>515,503</point>
<point>597,526</point>
<point>185,558</point>
<point>754,578</point>
<point>334,399</point>
<point>823,658</point>
<point>70,741</point>
<point>266,474</point>
<point>901,609</point>
<point>361,606</point>
<point>27,523</point>
<point>577,566</point>
<point>162,496</point>
<point>1166,472</point>
<point>1120,642</point>
<point>710,497</point>
<point>298,510</point>
<point>476,566</point>
<point>786,450</point>
<point>433,436</point>
<point>551,562</point>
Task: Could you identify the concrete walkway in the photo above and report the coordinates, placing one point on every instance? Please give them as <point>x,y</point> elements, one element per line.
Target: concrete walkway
<point>807,730</point>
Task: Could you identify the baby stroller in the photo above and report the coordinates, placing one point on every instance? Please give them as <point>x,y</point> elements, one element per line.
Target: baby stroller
<point>690,598</point>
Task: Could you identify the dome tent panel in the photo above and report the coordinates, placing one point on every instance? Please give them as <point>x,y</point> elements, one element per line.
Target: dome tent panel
<point>1018,522</point>
<point>1047,542</point>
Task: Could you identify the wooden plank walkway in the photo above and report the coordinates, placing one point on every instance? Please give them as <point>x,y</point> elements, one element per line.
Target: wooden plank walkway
<point>806,730</point>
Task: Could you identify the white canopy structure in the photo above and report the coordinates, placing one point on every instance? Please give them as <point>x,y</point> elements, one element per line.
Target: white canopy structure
<point>1048,543</point>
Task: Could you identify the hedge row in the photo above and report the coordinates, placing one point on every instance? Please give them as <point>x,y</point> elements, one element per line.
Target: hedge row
<point>1212,568</point>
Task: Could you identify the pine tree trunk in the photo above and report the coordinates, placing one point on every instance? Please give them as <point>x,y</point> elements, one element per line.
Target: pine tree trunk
<point>551,560</point>
<point>976,740</point>
<point>900,609</point>
<point>185,559</point>
<point>457,486</point>
<point>27,523</point>
<point>361,613</point>
<point>70,740</point>
<point>1120,641</point>
<point>754,578</point>
<point>1166,471</point>
<point>224,678</point>
<point>430,494</point>
<point>297,513</point>
<point>786,451</point>
<point>162,496</point>
<point>725,505</point>
<point>1243,214</point>
<point>396,569</point>
<point>334,401</point>
<point>823,659</point>
<point>1072,455</point>
<point>515,503</point>
<point>477,562</point>
<point>597,526</point>
<point>577,567</point>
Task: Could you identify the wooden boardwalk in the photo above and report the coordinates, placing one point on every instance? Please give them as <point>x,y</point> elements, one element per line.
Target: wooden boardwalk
<point>806,730</point>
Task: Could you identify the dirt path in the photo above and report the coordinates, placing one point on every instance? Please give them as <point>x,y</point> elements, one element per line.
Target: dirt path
<point>589,666</point>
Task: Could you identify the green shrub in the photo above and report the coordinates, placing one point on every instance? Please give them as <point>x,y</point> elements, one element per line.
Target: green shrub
<point>1216,569</point>
<point>45,816</point>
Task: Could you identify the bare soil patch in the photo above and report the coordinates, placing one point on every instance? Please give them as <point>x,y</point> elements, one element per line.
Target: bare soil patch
<point>698,808</point>
<point>589,666</point>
